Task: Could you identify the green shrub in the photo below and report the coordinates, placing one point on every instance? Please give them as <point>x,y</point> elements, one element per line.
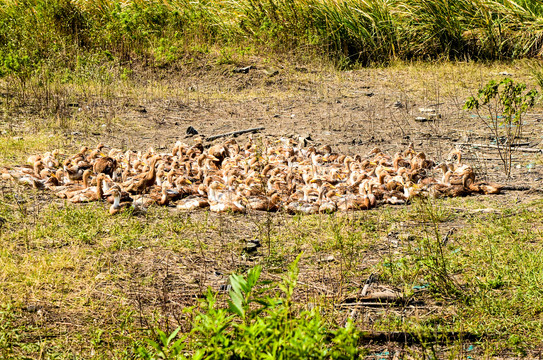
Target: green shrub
<point>258,324</point>
<point>157,32</point>
<point>500,107</point>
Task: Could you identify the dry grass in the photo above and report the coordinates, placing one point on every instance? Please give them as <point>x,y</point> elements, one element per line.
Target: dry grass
<point>78,283</point>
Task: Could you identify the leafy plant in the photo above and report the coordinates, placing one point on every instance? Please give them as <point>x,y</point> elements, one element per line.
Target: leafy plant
<point>504,104</point>
<point>274,330</point>
<point>241,292</point>
<point>165,348</point>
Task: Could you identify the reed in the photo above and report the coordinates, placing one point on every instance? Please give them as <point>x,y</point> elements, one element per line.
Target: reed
<point>38,33</point>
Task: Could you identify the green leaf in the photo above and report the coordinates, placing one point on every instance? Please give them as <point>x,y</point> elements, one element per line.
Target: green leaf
<point>172,335</point>
<point>238,283</point>
<point>199,354</point>
<point>154,344</point>
<point>235,304</point>
<point>252,277</point>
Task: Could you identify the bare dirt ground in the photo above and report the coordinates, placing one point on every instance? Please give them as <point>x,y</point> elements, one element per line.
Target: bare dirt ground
<point>352,111</point>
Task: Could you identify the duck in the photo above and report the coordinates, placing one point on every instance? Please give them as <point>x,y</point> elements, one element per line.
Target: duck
<point>165,196</point>
<point>307,205</point>
<point>457,167</point>
<point>50,159</point>
<point>70,189</point>
<point>302,208</point>
<point>192,202</point>
<point>94,154</point>
<point>224,201</point>
<point>219,152</point>
<point>446,189</point>
<point>118,206</point>
<point>89,194</point>
<point>264,203</point>
<point>214,191</point>
<point>326,205</point>
<point>229,176</point>
<point>482,187</point>
<point>80,156</point>
<point>125,196</point>
<point>369,193</point>
<point>105,165</point>
<point>232,205</point>
<point>140,184</point>
<point>75,172</point>
<point>450,177</point>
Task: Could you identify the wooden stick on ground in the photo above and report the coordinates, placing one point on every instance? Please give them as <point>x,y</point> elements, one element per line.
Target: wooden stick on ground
<point>234,133</point>
<point>518,188</point>
<point>514,148</point>
<point>414,338</point>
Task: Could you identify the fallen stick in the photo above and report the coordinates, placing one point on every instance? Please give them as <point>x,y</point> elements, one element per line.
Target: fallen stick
<point>366,304</point>
<point>490,146</point>
<point>412,337</point>
<point>234,133</point>
<point>485,159</point>
<point>476,211</point>
<point>518,188</point>
<point>376,298</point>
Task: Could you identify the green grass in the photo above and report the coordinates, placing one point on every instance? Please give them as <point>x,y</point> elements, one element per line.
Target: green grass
<point>79,39</point>
<point>490,268</point>
<point>96,281</point>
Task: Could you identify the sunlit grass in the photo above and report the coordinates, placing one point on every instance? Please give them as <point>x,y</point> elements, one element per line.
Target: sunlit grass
<point>79,259</point>
<point>15,149</point>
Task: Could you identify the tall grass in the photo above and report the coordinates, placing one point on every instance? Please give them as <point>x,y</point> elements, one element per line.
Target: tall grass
<point>60,34</point>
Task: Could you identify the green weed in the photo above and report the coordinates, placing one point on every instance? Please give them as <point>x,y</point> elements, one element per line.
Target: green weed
<point>500,106</point>
<point>268,330</point>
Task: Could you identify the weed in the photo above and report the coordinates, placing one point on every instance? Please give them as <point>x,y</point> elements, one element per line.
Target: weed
<point>272,330</point>
<point>504,103</point>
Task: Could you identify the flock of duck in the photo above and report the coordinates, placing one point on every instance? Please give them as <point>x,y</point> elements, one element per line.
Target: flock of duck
<point>234,177</point>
